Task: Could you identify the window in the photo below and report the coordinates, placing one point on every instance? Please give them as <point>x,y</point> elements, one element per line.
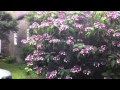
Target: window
<point>15,38</point>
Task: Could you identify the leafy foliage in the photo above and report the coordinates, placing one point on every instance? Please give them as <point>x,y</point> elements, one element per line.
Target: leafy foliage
<point>74,44</point>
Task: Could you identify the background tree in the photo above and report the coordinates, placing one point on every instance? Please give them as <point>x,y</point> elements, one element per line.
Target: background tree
<point>7,24</point>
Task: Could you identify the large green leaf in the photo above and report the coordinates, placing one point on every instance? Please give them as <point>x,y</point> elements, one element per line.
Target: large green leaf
<point>79,45</point>
<point>102,19</point>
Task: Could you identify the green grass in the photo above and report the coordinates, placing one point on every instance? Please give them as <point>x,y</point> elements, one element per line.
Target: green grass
<point>17,70</point>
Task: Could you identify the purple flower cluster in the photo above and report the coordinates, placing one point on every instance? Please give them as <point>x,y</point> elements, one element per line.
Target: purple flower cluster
<point>66,60</point>
<point>68,77</point>
<point>45,24</point>
<point>69,40</point>
<point>75,17</point>
<point>62,53</point>
<point>38,69</point>
<point>76,69</point>
<point>46,36</point>
<point>34,25</point>
<point>88,14</point>
<point>113,14</point>
<point>39,46</point>
<point>56,58</point>
<point>38,58</point>
<point>86,49</point>
<point>57,22</point>
<point>29,58</point>
<point>118,61</point>
<point>80,26</point>
<point>51,75</point>
<point>102,48</point>
<point>116,43</point>
<point>61,15</point>
<point>89,47</point>
<point>117,34</point>
<point>75,49</point>
<point>54,41</point>
<point>84,52</point>
<point>99,25</point>
<point>29,63</point>
<point>63,27</point>
<point>110,31</point>
<point>24,41</point>
<point>88,29</point>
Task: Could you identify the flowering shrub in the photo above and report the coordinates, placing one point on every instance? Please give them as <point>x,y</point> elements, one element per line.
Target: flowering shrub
<point>74,44</point>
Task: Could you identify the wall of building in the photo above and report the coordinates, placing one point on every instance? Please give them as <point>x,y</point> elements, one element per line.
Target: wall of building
<point>15,50</point>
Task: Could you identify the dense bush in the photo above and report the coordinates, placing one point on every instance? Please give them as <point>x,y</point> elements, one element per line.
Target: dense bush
<point>74,44</point>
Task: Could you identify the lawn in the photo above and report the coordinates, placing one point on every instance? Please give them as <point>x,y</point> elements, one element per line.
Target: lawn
<point>17,70</point>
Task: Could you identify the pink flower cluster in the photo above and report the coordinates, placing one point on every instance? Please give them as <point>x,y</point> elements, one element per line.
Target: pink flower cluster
<point>86,49</point>
<point>24,41</point>
<point>76,69</point>
<point>113,15</point>
<point>39,46</point>
<point>63,27</point>
<point>45,24</point>
<point>118,61</point>
<point>57,22</point>
<point>116,43</point>
<point>80,26</point>
<point>110,31</point>
<point>46,36</point>
<point>38,69</point>
<point>51,75</point>
<point>99,25</point>
<point>62,53</point>
<point>54,41</point>
<point>29,58</point>
<point>88,28</point>
<point>75,17</point>
<point>34,25</point>
<point>117,34</point>
<point>61,15</point>
<point>68,77</point>
<point>56,58</point>
<point>69,40</point>
<point>102,48</point>
<point>75,49</point>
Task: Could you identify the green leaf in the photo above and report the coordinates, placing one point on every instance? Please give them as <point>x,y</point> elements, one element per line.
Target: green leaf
<point>102,19</point>
<point>79,45</point>
<point>113,63</point>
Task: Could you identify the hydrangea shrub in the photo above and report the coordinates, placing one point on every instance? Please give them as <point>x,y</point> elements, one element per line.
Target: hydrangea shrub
<point>74,44</point>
